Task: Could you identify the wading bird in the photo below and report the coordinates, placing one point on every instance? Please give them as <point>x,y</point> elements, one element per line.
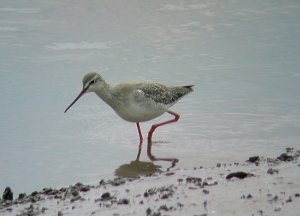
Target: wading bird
<point>137,101</point>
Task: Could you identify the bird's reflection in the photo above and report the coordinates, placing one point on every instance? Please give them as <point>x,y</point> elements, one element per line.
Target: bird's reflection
<point>138,168</point>
<point>153,158</point>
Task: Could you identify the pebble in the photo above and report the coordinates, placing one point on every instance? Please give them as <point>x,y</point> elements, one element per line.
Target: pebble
<point>285,157</point>
<point>205,205</point>
<point>194,180</point>
<point>75,198</point>
<point>249,196</point>
<point>169,173</point>
<point>274,199</point>
<point>21,196</point>
<point>105,196</point>
<point>8,194</point>
<point>271,171</point>
<point>277,209</point>
<point>254,159</point>
<point>163,207</point>
<point>123,201</point>
<point>289,200</point>
<point>205,191</point>
<point>240,175</point>
<point>34,193</point>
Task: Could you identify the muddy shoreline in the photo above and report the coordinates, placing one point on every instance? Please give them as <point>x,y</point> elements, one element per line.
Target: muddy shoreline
<point>256,186</point>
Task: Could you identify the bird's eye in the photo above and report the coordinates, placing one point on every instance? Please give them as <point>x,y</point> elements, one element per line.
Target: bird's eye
<point>92,82</point>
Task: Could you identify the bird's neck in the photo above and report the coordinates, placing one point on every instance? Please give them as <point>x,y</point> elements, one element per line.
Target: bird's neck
<point>105,93</point>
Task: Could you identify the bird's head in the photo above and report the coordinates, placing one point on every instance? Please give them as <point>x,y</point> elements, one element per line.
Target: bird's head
<point>90,82</point>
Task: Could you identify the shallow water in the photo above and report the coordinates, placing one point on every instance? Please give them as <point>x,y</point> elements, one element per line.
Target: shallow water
<point>242,57</point>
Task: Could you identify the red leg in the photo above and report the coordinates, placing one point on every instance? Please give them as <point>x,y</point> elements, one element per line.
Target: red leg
<point>140,132</point>
<point>161,124</point>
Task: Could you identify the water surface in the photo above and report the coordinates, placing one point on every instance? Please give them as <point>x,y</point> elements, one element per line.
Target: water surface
<point>242,57</point>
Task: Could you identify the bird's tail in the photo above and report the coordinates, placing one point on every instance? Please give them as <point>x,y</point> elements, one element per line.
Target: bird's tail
<point>190,87</point>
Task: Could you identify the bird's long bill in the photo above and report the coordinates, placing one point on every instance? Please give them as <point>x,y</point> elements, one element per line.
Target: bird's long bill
<point>76,99</point>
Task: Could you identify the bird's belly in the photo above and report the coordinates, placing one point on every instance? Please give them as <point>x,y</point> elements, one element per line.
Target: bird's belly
<point>139,113</point>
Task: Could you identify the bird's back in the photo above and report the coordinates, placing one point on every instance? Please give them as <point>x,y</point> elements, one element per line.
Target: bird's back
<point>156,92</point>
<point>164,95</point>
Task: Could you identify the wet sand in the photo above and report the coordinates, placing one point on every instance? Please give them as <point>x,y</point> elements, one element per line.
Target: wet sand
<point>256,186</point>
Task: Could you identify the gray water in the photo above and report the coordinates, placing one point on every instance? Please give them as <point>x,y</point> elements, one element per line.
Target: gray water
<point>242,57</point>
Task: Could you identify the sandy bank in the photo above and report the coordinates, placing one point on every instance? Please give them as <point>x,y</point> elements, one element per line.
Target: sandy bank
<point>261,186</point>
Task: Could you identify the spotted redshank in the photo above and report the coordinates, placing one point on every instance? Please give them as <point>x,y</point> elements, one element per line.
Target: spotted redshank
<point>137,101</point>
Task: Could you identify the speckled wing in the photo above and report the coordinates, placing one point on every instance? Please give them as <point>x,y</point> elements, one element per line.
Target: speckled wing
<point>163,94</point>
